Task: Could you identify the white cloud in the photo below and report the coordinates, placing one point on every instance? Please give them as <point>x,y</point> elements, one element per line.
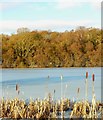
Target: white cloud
<point>59,1</point>
<point>7,5</point>
<point>63,4</point>
<point>8,26</point>
<point>28,1</point>
<point>95,4</point>
<point>74,1</point>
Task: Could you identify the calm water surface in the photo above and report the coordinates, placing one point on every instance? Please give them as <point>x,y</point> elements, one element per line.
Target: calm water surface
<point>35,83</point>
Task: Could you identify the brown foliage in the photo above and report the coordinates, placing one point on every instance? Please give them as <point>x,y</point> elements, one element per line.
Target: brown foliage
<point>77,48</point>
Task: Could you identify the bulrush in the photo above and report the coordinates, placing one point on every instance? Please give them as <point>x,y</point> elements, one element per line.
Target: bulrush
<point>17,89</point>
<point>83,109</point>
<point>86,87</point>
<point>86,75</point>
<point>16,108</point>
<point>93,77</point>
<point>51,108</point>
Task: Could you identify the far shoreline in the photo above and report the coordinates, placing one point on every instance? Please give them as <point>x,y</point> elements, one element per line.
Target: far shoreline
<point>53,68</point>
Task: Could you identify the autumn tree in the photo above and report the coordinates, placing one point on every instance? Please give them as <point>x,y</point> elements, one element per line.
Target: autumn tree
<point>76,48</point>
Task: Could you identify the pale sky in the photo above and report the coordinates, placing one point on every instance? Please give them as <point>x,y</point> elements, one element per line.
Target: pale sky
<point>55,15</point>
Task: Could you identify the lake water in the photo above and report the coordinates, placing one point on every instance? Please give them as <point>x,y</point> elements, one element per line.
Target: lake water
<point>35,83</point>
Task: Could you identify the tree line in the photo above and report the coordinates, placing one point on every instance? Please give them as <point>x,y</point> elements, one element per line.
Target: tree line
<point>43,49</point>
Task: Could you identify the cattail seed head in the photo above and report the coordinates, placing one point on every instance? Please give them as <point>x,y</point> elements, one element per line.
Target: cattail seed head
<point>86,74</point>
<point>17,87</point>
<point>93,77</point>
<point>78,90</point>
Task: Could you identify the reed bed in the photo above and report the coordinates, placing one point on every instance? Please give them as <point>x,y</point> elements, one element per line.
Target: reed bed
<point>48,108</point>
<point>16,108</point>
